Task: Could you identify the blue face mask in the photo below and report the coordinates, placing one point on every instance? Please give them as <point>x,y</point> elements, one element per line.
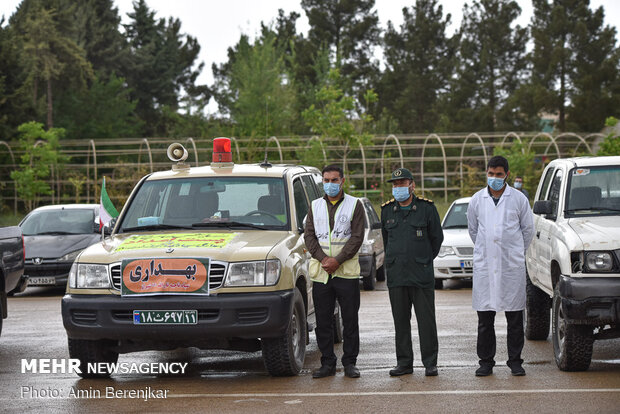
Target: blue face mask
<point>331,189</point>
<point>400,193</point>
<point>518,185</point>
<point>495,183</point>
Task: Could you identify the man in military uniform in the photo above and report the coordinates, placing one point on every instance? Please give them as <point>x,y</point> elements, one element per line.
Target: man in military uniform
<point>412,236</point>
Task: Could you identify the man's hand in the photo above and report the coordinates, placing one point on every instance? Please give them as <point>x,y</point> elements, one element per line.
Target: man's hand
<point>330,265</point>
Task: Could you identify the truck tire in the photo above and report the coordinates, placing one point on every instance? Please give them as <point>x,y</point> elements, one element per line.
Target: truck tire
<point>338,325</point>
<point>370,281</point>
<point>537,313</point>
<point>284,356</point>
<point>92,351</point>
<point>572,344</point>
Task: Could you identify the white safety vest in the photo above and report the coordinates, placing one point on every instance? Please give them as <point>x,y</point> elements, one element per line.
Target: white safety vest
<point>333,241</point>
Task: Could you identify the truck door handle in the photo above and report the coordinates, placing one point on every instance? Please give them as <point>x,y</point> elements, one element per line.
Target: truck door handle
<point>538,234</point>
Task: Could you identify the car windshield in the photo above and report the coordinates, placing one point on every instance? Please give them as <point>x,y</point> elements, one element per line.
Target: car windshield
<point>456,218</point>
<point>235,202</point>
<point>59,221</point>
<point>593,191</point>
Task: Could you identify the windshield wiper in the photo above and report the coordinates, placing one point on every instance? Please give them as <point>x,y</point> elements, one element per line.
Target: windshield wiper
<point>456,226</point>
<point>594,208</point>
<point>154,227</point>
<point>49,233</point>
<point>227,224</point>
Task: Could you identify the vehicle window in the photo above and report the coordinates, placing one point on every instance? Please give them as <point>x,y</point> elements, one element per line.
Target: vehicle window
<point>310,187</point>
<point>301,203</point>
<point>370,212</point>
<point>554,193</point>
<point>318,180</point>
<point>190,201</point>
<point>545,186</point>
<point>593,191</point>
<point>61,221</point>
<point>456,218</point>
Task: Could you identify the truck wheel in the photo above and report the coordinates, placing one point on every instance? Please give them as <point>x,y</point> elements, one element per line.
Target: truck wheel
<point>284,356</point>
<point>370,281</point>
<point>537,314</point>
<point>572,344</point>
<point>381,273</point>
<point>338,325</point>
<point>88,351</point>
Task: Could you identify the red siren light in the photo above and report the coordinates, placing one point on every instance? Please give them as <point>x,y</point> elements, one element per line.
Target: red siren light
<point>221,150</point>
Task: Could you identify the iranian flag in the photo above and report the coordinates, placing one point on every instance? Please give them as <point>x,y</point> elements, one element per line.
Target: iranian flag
<point>106,209</point>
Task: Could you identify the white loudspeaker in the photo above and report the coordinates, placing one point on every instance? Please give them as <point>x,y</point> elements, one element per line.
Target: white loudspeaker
<point>177,152</point>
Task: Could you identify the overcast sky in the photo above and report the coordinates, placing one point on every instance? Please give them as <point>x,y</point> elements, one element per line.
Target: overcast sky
<point>218,24</point>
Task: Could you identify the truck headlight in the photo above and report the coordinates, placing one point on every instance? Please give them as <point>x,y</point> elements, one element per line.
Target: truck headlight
<point>89,276</point>
<point>69,257</point>
<point>259,273</point>
<point>445,251</point>
<point>599,261</point>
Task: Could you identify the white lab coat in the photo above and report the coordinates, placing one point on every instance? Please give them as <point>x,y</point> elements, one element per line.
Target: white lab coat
<point>501,235</point>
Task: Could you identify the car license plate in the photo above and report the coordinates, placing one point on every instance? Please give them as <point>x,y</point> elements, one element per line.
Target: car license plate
<point>41,281</point>
<point>467,263</point>
<point>168,317</point>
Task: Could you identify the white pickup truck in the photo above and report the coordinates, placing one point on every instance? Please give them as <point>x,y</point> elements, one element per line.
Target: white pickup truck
<point>573,262</point>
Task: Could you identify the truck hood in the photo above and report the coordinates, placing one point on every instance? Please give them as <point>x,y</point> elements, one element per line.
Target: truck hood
<point>597,233</point>
<point>228,246</point>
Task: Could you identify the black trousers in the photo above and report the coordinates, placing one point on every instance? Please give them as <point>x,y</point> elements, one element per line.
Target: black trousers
<point>423,301</point>
<point>347,292</point>
<point>486,337</point>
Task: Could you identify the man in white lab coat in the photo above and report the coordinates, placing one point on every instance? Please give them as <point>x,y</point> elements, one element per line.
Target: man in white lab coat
<point>501,226</point>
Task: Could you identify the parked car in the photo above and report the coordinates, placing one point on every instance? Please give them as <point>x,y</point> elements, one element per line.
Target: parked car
<point>456,255</point>
<point>54,236</point>
<point>371,253</point>
<point>11,264</point>
<point>573,263</point>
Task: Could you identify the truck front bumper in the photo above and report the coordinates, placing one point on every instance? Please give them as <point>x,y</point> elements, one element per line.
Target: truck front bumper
<point>590,300</point>
<point>225,316</point>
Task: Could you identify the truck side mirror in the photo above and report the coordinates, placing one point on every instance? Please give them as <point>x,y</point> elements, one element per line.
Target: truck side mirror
<point>543,207</point>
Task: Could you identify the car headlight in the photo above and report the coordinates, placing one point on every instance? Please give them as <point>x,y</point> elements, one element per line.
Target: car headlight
<point>89,276</point>
<point>599,261</point>
<point>69,257</point>
<point>259,273</point>
<point>446,251</point>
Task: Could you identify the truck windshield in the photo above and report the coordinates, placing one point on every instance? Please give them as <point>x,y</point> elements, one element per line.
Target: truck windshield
<point>593,191</point>
<point>60,221</point>
<point>235,202</point>
<point>456,218</point>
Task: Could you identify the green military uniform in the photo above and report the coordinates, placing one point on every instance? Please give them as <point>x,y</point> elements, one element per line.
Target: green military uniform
<point>412,238</point>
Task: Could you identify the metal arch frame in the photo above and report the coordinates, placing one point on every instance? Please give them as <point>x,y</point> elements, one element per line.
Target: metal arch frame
<point>344,164</point>
<point>91,144</point>
<point>400,153</point>
<point>581,141</point>
<point>148,147</point>
<point>445,164</point>
<point>36,144</point>
<point>484,151</point>
<point>191,141</point>
<point>273,138</point>
<point>515,135</point>
<point>316,138</point>
<point>14,182</point>
<point>547,135</point>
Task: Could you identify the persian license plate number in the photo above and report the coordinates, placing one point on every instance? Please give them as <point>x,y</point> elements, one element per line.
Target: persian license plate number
<point>467,263</point>
<point>165,317</point>
<point>41,281</point>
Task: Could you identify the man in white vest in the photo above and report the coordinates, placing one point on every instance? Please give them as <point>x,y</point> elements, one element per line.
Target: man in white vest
<point>501,226</point>
<point>333,235</point>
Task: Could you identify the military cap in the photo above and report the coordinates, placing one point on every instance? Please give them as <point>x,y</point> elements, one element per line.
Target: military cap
<point>400,173</point>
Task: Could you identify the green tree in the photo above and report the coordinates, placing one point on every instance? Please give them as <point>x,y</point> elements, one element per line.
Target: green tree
<point>521,164</point>
<point>419,63</point>
<point>40,157</point>
<point>611,143</point>
<point>491,64</point>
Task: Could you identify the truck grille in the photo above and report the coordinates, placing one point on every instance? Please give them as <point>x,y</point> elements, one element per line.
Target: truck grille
<point>217,271</point>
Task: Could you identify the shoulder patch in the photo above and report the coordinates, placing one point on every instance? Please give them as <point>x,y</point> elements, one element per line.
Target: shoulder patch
<point>387,202</point>
<point>428,200</point>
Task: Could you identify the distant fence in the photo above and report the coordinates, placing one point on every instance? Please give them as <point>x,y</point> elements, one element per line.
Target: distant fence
<point>436,160</point>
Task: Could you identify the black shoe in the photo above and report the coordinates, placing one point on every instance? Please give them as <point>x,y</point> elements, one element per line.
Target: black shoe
<point>324,371</point>
<point>431,371</point>
<point>517,371</point>
<point>484,371</point>
<point>398,371</point>
<point>351,371</point>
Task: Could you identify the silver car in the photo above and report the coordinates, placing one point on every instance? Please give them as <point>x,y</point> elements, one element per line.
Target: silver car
<point>371,253</point>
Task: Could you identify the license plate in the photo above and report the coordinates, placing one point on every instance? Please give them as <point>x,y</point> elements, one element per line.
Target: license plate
<point>467,263</point>
<point>41,281</point>
<point>161,317</point>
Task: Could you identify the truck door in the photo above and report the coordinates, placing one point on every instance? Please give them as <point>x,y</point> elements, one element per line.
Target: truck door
<point>533,259</point>
<point>545,227</point>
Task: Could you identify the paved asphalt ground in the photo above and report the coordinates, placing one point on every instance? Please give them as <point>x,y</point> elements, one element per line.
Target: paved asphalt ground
<point>221,381</point>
